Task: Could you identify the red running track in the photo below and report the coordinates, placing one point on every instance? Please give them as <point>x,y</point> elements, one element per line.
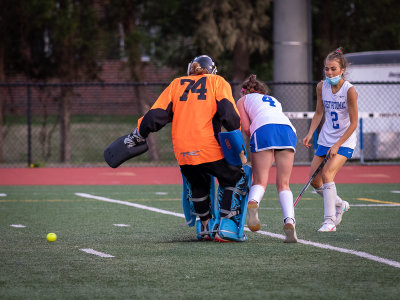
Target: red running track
<point>172,175</point>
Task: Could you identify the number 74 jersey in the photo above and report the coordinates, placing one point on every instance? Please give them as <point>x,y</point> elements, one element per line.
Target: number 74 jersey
<point>337,118</point>
<point>197,106</point>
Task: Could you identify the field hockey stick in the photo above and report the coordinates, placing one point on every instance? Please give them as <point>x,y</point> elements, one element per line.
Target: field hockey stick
<point>311,179</point>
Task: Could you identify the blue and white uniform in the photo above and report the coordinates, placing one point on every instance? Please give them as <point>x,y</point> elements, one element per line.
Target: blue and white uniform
<point>269,127</point>
<point>337,120</point>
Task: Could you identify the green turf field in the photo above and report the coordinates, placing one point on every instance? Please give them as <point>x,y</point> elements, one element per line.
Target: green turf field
<point>154,257</point>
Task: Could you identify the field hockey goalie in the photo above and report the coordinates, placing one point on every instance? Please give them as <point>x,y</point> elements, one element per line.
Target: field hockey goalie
<point>231,226</point>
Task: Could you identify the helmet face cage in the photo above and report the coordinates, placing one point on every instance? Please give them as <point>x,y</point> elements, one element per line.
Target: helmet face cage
<point>205,62</point>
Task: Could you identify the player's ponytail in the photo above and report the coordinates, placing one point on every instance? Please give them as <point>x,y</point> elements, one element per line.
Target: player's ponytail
<point>252,85</point>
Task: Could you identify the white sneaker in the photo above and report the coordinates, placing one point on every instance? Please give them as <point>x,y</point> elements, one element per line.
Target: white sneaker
<point>327,227</point>
<point>340,211</point>
<point>253,222</point>
<point>290,231</point>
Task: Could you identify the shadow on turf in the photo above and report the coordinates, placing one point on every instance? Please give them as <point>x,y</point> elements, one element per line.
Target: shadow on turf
<point>193,240</point>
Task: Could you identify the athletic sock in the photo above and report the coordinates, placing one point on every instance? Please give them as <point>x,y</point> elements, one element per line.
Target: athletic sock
<point>339,201</point>
<point>320,191</point>
<point>286,200</point>
<point>330,201</point>
<point>256,193</point>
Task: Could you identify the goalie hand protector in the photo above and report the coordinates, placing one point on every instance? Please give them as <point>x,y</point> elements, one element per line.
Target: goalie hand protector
<point>233,147</point>
<point>118,152</point>
<point>134,138</point>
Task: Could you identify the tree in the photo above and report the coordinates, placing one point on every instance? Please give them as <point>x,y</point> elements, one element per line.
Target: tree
<point>230,31</point>
<point>238,27</point>
<point>47,40</point>
<point>124,19</point>
<point>73,32</point>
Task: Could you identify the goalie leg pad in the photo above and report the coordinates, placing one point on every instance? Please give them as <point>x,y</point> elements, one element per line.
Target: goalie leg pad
<point>231,226</point>
<point>233,147</point>
<point>188,207</point>
<point>188,202</point>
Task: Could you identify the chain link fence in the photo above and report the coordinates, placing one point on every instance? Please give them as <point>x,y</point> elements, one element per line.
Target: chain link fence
<point>70,124</point>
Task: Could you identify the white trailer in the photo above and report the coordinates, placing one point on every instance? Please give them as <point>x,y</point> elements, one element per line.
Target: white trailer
<point>376,76</point>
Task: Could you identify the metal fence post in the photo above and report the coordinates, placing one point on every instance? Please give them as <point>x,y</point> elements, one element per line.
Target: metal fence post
<point>361,142</point>
<point>29,121</point>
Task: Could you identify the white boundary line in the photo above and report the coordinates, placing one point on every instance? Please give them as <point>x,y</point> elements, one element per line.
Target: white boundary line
<point>94,252</point>
<point>373,205</point>
<point>161,211</point>
<point>389,262</point>
<point>18,225</point>
<point>274,235</point>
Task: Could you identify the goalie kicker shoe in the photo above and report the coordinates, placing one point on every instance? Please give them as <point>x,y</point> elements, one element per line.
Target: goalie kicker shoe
<point>221,240</point>
<point>205,232</point>
<point>253,222</point>
<point>290,231</point>
<point>340,211</point>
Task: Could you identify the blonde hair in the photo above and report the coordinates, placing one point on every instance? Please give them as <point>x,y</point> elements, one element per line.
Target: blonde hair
<point>252,85</point>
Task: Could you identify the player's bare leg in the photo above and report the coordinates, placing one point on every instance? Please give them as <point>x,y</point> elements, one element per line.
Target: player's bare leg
<point>261,163</point>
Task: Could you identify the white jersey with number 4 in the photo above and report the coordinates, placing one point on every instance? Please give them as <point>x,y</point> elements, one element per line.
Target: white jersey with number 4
<point>264,109</point>
<point>337,118</point>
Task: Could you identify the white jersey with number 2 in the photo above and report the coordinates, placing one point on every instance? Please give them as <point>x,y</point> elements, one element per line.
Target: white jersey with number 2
<point>264,109</point>
<point>337,118</point>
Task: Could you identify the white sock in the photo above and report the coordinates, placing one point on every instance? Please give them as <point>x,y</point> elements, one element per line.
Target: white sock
<point>330,201</point>
<point>286,200</point>
<point>256,193</point>
<point>339,201</point>
<point>320,191</point>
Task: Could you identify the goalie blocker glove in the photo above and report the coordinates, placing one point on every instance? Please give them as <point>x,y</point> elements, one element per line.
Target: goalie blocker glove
<point>134,138</point>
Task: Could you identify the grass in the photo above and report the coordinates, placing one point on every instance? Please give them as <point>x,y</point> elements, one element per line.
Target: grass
<point>156,258</point>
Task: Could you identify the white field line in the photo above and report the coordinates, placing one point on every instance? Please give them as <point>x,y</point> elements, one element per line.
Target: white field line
<point>365,205</point>
<point>338,249</point>
<point>161,211</point>
<point>270,234</point>
<point>94,252</point>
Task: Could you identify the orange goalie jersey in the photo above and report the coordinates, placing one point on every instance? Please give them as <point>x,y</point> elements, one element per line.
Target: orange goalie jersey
<point>197,106</point>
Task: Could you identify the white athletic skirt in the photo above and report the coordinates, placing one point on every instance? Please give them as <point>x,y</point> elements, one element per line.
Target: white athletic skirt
<point>273,136</point>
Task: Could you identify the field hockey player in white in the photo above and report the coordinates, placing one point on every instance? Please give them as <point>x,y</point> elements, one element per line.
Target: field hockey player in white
<point>273,137</point>
<point>337,100</point>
